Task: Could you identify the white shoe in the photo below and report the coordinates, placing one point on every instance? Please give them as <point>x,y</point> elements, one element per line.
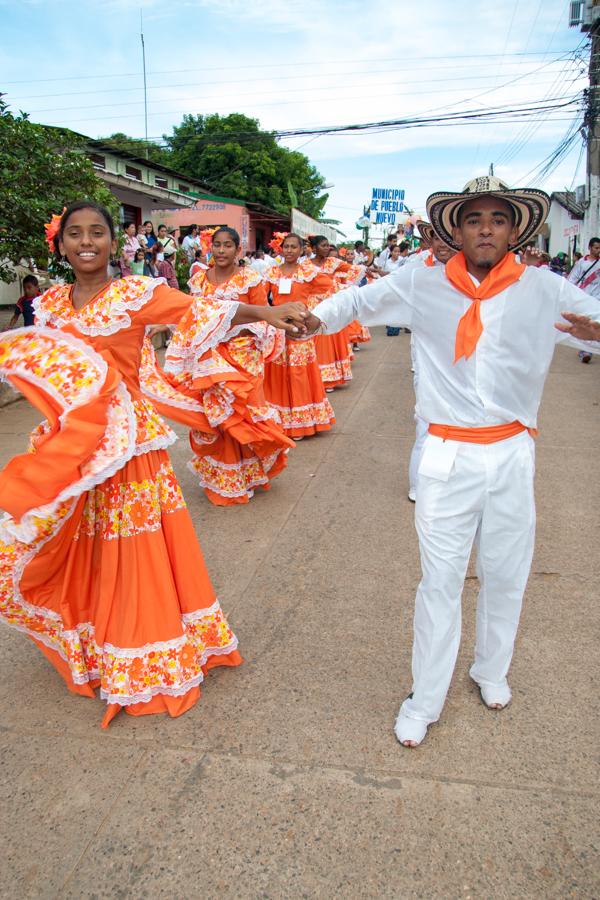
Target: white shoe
<point>495,696</point>
<point>412,495</point>
<point>329,390</point>
<point>407,729</point>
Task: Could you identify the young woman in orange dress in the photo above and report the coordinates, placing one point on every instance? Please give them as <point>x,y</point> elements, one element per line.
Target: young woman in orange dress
<point>251,447</point>
<point>99,562</point>
<point>357,333</point>
<point>293,383</point>
<point>333,350</point>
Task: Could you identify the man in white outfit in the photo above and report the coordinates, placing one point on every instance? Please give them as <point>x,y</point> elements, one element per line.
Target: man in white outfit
<point>437,254</point>
<point>484,328</point>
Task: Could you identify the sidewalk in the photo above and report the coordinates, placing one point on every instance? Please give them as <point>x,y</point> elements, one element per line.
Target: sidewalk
<point>286,780</point>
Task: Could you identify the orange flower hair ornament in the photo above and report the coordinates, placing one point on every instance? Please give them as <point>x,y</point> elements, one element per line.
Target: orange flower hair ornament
<point>52,228</point>
<point>206,239</point>
<point>343,251</point>
<point>277,240</point>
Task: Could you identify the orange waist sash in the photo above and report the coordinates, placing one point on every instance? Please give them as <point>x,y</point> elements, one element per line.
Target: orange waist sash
<point>487,435</point>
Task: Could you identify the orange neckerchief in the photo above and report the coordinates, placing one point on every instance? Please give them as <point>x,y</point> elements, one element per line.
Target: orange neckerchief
<point>430,261</point>
<point>470,329</point>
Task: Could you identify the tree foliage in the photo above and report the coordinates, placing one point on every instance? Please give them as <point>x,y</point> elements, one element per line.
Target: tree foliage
<point>42,169</point>
<point>235,158</point>
<point>149,150</point>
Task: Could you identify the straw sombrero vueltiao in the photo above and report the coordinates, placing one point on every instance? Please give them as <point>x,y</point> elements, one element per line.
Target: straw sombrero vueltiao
<point>530,207</point>
<point>426,232</point>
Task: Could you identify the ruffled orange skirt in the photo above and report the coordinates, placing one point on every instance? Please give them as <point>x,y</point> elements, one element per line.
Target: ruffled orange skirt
<point>293,385</point>
<point>120,599</point>
<point>333,358</point>
<point>357,333</point>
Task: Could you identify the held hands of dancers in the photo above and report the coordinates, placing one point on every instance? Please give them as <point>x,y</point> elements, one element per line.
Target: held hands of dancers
<point>580,327</point>
<point>290,317</point>
<point>312,326</point>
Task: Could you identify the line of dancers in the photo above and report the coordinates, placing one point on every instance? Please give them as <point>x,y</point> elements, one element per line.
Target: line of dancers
<point>99,562</point>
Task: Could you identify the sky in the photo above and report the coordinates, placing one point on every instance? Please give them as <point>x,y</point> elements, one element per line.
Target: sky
<point>295,65</point>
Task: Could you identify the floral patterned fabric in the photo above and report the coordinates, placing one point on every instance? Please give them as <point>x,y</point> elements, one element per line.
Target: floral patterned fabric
<point>99,562</point>
<point>235,449</point>
<point>293,381</point>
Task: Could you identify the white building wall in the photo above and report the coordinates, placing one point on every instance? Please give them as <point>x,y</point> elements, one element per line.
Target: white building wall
<point>559,221</point>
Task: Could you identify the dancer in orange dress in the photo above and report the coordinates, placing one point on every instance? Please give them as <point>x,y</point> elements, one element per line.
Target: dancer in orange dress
<point>333,350</point>
<point>293,383</point>
<point>249,447</point>
<point>357,334</point>
<point>99,562</point>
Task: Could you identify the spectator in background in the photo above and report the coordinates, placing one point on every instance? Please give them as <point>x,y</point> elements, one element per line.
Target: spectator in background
<point>169,247</point>
<point>391,241</point>
<point>166,269</point>
<point>151,238</point>
<point>260,262</point>
<point>586,275</point>
<point>191,243</point>
<point>393,261</point>
<point>199,263</point>
<point>24,305</point>
<point>129,248</point>
<point>577,256</point>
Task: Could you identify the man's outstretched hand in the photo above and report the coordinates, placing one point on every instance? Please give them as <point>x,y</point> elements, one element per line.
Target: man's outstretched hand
<point>580,327</point>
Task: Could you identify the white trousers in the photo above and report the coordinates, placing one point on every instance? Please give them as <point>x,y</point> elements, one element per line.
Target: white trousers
<point>480,493</point>
<point>415,456</point>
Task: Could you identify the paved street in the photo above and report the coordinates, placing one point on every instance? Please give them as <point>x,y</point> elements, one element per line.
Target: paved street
<point>286,779</point>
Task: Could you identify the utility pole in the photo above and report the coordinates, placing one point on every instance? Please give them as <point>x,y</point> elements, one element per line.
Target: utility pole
<point>593,132</point>
<point>145,91</point>
<point>586,14</point>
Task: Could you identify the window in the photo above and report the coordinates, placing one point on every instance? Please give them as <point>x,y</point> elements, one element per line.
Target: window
<point>98,161</point>
<point>183,188</point>
<point>134,173</point>
<point>161,182</point>
<point>130,214</point>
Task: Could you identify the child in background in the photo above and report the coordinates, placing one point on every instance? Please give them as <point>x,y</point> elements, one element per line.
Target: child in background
<point>152,260</point>
<point>137,265</point>
<point>24,305</point>
<point>141,236</point>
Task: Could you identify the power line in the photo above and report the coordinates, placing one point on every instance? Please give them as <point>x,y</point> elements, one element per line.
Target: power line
<point>301,77</point>
<point>522,138</point>
<point>207,98</point>
<point>278,66</point>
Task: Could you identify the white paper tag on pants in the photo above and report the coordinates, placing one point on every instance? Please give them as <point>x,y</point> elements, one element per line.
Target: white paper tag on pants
<point>285,285</point>
<point>437,458</point>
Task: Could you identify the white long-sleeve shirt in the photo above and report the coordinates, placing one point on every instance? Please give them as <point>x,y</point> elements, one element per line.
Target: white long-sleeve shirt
<point>586,275</point>
<point>502,381</point>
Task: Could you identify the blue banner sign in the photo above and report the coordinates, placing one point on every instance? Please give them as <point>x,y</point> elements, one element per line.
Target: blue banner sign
<point>386,203</point>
